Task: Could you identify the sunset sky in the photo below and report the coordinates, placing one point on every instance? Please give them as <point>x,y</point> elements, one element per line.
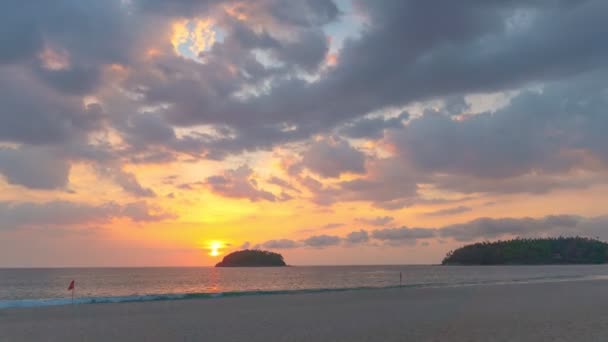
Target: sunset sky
<point>153,132</point>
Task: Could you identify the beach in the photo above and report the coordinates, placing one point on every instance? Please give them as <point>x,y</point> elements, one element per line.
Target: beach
<point>556,311</point>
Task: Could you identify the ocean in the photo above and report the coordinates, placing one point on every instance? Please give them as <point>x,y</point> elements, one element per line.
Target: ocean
<point>43,287</point>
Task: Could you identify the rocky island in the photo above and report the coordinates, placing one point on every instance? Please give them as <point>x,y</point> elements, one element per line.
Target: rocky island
<point>546,251</point>
<point>252,258</point>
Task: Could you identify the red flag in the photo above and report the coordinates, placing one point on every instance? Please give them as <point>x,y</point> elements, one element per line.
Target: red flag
<point>71,287</point>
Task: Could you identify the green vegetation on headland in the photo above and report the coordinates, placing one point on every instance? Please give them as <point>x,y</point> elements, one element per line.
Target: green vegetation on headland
<point>252,258</point>
<point>547,251</point>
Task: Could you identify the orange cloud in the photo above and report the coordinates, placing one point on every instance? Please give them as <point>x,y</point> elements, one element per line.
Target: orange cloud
<point>195,36</point>
<point>54,59</point>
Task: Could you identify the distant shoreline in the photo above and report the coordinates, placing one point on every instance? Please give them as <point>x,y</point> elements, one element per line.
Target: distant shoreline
<point>531,251</point>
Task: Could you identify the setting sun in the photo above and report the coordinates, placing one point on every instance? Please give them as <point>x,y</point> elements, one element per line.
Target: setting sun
<point>214,248</point>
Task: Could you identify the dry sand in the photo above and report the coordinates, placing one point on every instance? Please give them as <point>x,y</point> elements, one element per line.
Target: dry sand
<point>566,311</point>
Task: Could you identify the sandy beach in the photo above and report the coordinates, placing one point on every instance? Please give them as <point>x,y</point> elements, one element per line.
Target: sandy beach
<point>563,311</point>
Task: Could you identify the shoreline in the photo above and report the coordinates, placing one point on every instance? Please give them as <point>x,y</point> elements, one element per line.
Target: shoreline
<point>565,311</point>
<point>157,297</point>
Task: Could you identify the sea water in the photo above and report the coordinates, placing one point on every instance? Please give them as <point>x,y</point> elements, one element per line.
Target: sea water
<point>42,287</point>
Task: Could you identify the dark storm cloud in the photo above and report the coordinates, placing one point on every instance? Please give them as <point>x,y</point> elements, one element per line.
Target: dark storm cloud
<point>14,215</point>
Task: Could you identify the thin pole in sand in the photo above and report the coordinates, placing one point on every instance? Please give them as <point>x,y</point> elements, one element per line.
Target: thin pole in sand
<point>400,279</point>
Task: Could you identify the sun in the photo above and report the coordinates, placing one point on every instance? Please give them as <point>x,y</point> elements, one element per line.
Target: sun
<point>214,248</point>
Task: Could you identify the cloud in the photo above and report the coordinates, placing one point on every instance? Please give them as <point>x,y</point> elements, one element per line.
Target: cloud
<point>126,180</point>
<point>15,215</point>
<point>449,211</point>
<point>34,167</point>
<point>239,183</point>
<point>478,229</point>
<point>141,212</point>
<point>33,114</point>
<point>377,186</point>
<point>279,244</point>
<point>331,158</point>
<point>321,241</point>
<point>307,13</point>
<point>376,221</point>
<point>328,226</point>
<point>107,20</point>
<point>372,128</point>
<point>373,74</point>
<point>357,237</point>
<point>527,145</point>
<point>403,235</point>
<point>527,184</point>
<point>490,228</point>
<point>115,92</point>
<point>224,92</point>
<point>283,184</point>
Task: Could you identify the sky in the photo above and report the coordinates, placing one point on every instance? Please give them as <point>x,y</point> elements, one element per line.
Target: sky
<point>170,133</point>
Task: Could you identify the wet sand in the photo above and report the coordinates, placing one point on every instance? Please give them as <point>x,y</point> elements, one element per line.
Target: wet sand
<point>563,311</point>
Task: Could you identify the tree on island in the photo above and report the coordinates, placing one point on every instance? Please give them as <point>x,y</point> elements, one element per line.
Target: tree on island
<point>252,258</point>
<point>561,250</point>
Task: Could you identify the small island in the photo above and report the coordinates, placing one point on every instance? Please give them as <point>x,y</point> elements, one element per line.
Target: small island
<point>252,258</point>
<point>546,251</point>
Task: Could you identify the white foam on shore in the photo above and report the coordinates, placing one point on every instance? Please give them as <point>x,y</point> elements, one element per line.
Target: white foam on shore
<point>27,303</point>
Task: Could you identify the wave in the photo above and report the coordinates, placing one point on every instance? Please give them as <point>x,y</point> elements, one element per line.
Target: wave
<point>28,303</point>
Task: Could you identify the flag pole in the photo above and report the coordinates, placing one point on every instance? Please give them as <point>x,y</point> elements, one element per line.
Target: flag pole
<point>72,287</point>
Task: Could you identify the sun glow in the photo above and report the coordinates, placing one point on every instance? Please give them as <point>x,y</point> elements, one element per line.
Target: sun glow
<point>215,247</point>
